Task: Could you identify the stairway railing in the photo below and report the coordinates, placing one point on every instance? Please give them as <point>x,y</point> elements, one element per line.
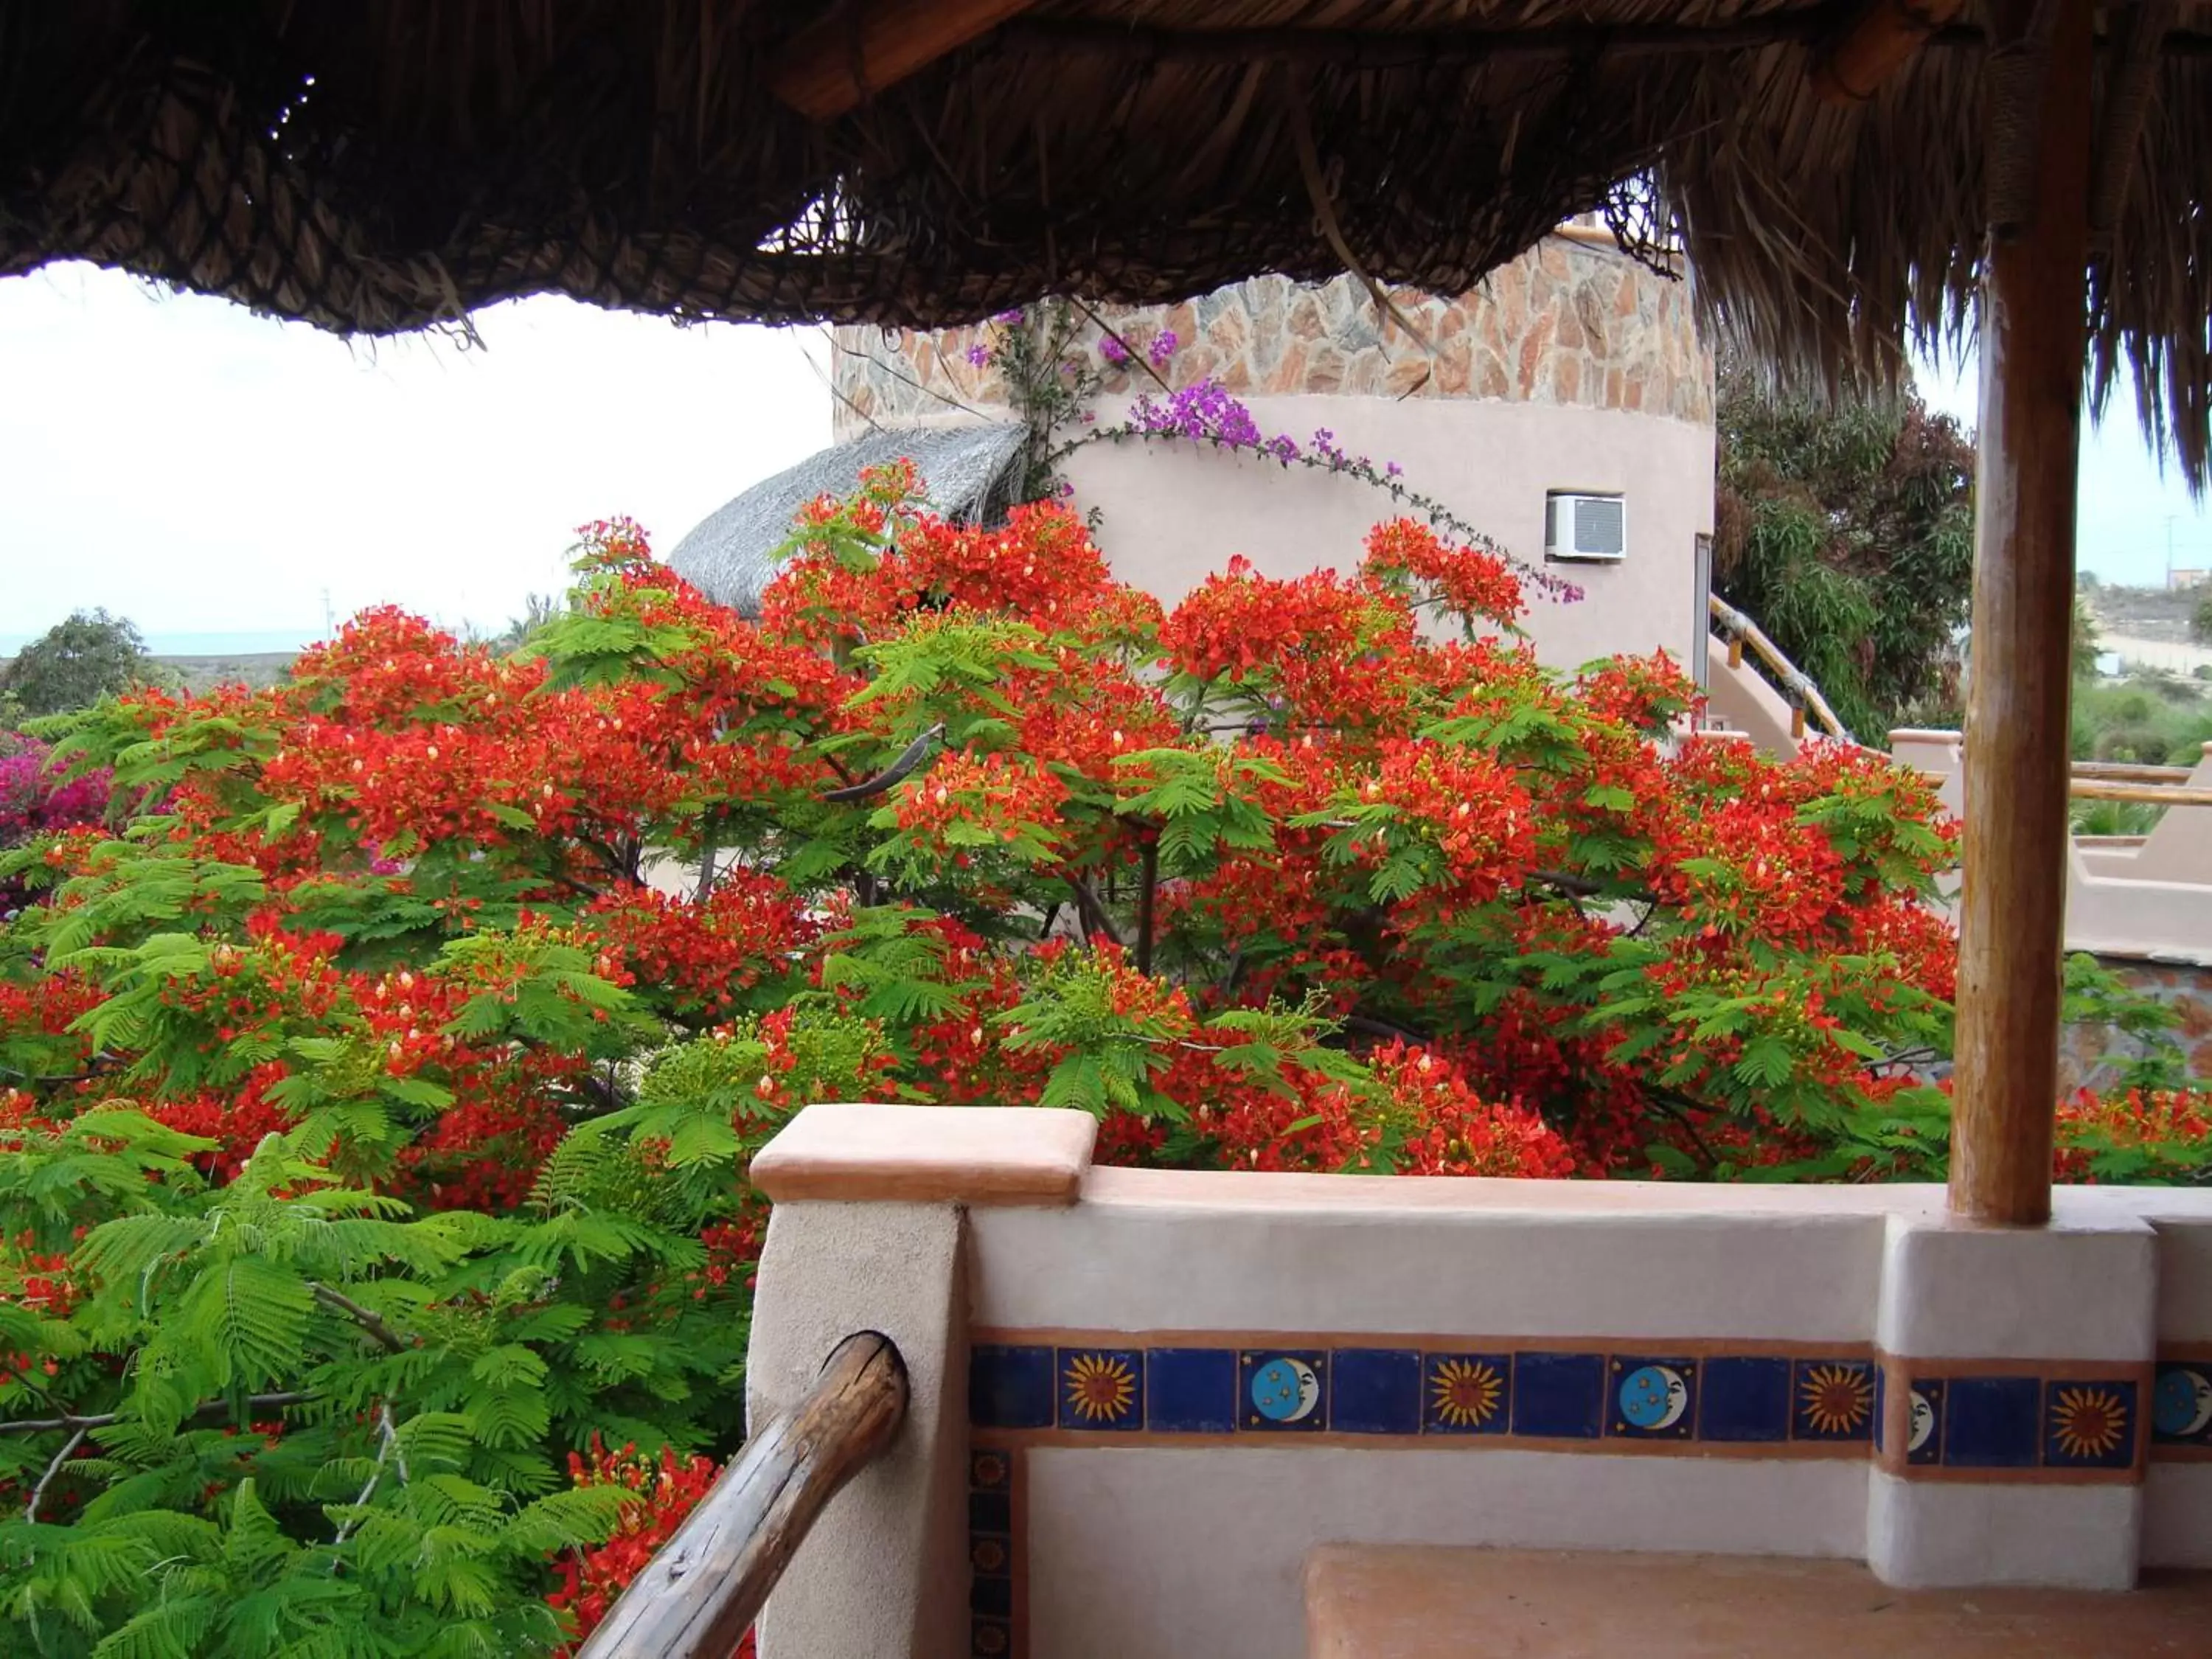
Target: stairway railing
<point>700,1593</point>
<point>1740,631</point>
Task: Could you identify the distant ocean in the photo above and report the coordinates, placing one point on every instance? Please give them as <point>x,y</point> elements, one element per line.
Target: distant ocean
<point>244,643</point>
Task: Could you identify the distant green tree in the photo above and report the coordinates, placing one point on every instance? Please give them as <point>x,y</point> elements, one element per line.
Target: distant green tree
<point>1846,528</point>
<point>2085,636</point>
<point>2200,619</point>
<point>76,663</point>
<point>538,610</point>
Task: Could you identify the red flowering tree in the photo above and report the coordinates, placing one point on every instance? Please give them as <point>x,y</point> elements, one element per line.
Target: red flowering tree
<point>375,1103</point>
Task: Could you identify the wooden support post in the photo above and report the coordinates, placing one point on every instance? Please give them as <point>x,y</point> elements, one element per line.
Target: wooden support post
<point>2012,914</point>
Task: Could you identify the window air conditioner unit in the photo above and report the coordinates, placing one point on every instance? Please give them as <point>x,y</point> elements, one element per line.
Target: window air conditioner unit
<point>1582,526</point>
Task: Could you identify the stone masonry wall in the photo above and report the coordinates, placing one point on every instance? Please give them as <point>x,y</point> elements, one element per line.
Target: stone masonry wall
<point>1569,322</point>
<point>2089,1056</point>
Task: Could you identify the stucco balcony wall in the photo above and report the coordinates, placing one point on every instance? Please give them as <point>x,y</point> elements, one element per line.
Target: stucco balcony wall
<point>1180,1385</point>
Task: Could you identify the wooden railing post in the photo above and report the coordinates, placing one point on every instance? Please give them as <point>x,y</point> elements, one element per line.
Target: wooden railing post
<point>2012,914</point>
<point>698,1596</point>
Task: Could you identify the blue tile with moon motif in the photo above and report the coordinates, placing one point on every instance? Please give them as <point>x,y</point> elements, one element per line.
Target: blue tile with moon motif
<point>1992,1422</point>
<point>1832,1400</point>
<point>1651,1398</point>
<point>1102,1389</point>
<point>1560,1395</point>
<point>1466,1393</point>
<point>1374,1391</point>
<point>1744,1399</point>
<point>1009,1387</point>
<point>2090,1424</point>
<point>1923,1421</point>
<point>2181,1403</point>
<point>1283,1392</point>
<point>1190,1391</point>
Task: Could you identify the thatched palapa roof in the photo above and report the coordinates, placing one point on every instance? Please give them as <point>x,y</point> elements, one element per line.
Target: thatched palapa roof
<point>388,164</point>
<point>968,473</point>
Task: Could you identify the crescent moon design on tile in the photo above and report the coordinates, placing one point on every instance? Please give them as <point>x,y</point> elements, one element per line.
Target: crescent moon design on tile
<point>2182,1407</point>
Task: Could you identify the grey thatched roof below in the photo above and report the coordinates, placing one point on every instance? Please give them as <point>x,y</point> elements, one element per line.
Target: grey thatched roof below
<point>968,473</point>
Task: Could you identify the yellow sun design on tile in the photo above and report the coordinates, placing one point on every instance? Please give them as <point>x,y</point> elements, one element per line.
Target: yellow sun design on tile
<point>1100,1387</point>
<point>2090,1422</point>
<point>1838,1398</point>
<point>1466,1392</point>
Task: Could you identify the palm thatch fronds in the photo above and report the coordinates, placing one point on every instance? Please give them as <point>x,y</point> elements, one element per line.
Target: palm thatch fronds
<point>969,472</point>
<point>388,164</point>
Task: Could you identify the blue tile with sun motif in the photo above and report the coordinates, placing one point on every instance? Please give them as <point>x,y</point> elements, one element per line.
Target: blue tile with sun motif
<point>2181,1404</point>
<point>1282,1392</point>
<point>1558,1396</point>
<point>1832,1400</point>
<point>1374,1391</point>
<point>1466,1393</point>
<point>1991,1422</point>
<point>1744,1400</point>
<point>1100,1389</point>
<point>2088,1425</point>
<point>1651,1398</point>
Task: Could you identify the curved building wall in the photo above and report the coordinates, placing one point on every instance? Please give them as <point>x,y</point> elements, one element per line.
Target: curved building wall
<point>1573,368</point>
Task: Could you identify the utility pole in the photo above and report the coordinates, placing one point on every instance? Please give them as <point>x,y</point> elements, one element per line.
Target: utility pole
<point>329,625</point>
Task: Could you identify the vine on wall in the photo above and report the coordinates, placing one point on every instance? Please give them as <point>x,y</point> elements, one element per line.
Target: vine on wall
<point>1057,357</point>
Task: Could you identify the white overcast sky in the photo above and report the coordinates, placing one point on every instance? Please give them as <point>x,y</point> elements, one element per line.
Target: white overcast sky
<point>204,470</point>
<point>209,472</point>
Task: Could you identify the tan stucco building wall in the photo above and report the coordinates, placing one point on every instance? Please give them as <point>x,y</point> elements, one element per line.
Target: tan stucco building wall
<point>1574,368</point>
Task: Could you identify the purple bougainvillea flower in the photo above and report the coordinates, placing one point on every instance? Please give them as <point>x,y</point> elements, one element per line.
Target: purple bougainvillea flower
<point>1112,350</point>
<point>1163,347</point>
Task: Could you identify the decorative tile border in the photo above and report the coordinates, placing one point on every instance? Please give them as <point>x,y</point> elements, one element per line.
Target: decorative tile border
<point>997,1552</point>
<point>1060,1388</point>
<point>1999,1420</point>
<point>1989,1420</point>
<point>2181,1405</point>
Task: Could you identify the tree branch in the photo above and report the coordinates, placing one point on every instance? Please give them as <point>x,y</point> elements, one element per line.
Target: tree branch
<point>102,1419</point>
<point>1093,910</point>
<point>360,1315</point>
<point>387,1444</point>
<point>1150,855</point>
<point>1368,1025</point>
<point>31,1508</point>
<point>1675,1107</point>
<point>895,773</point>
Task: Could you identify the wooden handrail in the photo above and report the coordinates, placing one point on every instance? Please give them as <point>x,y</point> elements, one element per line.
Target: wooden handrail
<point>2153,794</point>
<point>2130,772</point>
<point>1740,630</point>
<point>699,1593</point>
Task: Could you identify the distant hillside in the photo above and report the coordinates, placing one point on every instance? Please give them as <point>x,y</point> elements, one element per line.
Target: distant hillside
<point>2143,613</point>
<point>255,669</point>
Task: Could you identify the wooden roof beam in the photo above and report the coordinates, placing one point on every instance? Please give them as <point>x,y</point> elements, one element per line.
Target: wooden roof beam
<point>1880,37</point>
<point>833,66</point>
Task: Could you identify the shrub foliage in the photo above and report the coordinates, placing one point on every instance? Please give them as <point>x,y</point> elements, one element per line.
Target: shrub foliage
<point>378,1082</point>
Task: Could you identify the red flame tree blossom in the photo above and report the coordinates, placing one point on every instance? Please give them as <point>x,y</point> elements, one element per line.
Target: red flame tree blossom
<point>375,1104</point>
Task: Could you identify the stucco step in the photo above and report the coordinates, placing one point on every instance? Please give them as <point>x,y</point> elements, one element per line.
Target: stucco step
<point>1403,1602</point>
